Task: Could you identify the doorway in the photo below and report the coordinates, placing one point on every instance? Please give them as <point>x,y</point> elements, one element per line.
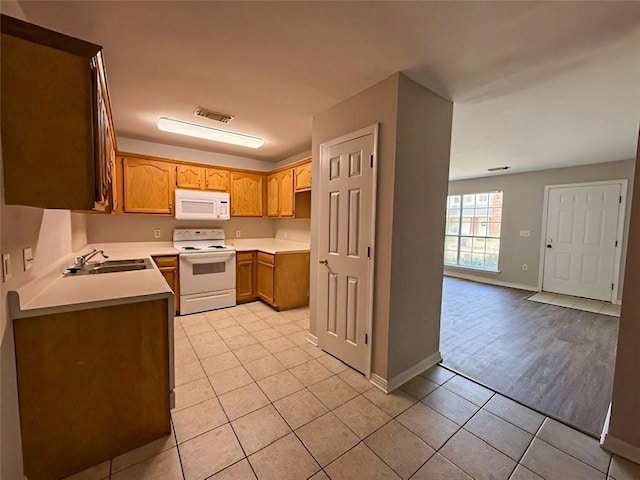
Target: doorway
<point>346,247</point>
<point>582,239</point>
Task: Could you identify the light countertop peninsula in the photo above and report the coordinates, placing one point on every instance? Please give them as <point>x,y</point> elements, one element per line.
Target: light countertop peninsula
<point>53,293</point>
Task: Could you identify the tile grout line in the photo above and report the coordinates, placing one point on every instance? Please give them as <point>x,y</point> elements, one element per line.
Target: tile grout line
<point>266,396</point>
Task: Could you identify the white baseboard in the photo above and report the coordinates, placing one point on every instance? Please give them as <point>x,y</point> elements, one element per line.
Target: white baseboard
<point>617,446</point>
<point>390,385</point>
<point>490,281</point>
<point>311,338</point>
<point>379,382</point>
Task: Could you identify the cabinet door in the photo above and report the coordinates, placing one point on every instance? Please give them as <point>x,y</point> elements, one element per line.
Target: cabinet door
<point>273,195</point>
<point>170,274</point>
<point>285,181</point>
<point>245,277</point>
<point>168,266</point>
<point>216,179</point>
<point>246,195</point>
<point>303,177</point>
<point>148,186</point>
<point>265,287</point>
<point>188,176</point>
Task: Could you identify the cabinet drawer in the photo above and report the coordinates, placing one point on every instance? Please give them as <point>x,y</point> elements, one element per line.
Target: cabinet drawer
<point>266,258</point>
<point>244,256</point>
<point>168,261</point>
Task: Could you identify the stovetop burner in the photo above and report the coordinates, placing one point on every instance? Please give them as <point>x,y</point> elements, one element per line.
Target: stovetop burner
<point>190,248</point>
<point>216,246</point>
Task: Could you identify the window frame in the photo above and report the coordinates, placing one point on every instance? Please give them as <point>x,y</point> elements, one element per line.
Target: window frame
<point>459,235</point>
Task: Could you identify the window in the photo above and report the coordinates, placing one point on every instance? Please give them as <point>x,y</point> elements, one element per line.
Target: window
<point>472,236</point>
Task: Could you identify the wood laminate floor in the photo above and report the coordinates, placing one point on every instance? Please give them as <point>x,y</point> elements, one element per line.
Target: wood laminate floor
<point>556,360</point>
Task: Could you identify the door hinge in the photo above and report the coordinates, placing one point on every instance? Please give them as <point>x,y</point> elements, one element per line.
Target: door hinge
<point>620,200</point>
<point>368,252</point>
<point>366,338</point>
<point>616,243</point>
<point>371,161</point>
<point>612,286</point>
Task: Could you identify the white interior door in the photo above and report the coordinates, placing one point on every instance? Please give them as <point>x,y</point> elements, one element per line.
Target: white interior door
<point>345,276</point>
<point>581,233</point>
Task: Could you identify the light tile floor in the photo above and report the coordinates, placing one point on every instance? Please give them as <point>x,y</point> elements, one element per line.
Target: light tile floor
<point>577,303</point>
<point>256,400</point>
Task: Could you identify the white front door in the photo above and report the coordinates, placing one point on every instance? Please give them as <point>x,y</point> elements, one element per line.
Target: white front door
<point>581,233</point>
<point>345,276</point>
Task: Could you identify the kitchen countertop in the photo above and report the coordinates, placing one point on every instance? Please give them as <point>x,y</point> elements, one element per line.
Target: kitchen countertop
<point>53,293</point>
<point>268,245</point>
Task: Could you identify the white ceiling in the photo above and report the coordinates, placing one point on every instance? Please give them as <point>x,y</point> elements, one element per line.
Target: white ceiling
<point>535,85</point>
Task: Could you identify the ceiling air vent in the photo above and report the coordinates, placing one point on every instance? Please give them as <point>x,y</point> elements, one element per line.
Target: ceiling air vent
<point>495,169</point>
<point>220,117</point>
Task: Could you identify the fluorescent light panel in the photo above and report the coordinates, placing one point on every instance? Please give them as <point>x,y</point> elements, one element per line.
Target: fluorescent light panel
<point>215,135</point>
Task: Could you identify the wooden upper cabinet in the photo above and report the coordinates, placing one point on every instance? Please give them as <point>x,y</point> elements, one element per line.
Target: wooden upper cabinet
<point>148,186</point>
<point>302,175</point>
<point>285,179</point>
<point>188,176</point>
<point>273,195</point>
<point>246,194</point>
<point>216,179</point>
<point>57,134</point>
<point>280,194</point>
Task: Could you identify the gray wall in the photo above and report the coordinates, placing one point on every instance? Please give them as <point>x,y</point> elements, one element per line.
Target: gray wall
<point>413,148</point>
<point>625,422</point>
<point>522,210</point>
<point>376,104</point>
<point>421,178</point>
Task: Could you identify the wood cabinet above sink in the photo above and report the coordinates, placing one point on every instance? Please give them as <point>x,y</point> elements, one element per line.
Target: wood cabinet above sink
<point>58,140</point>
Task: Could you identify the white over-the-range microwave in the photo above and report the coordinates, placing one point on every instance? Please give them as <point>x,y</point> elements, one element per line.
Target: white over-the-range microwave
<point>199,205</point>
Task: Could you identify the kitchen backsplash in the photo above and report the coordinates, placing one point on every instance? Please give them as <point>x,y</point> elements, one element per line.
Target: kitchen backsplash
<point>140,228</point>
<point>294,229</point>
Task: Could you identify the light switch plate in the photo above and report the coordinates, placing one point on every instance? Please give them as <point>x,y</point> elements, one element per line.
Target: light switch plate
<point>238,233</point>
<point>525,233</point>
<point>6,267</point>
<point>27,258</point>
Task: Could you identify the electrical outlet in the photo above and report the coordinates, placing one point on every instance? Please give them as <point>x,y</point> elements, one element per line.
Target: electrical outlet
<point>525,267</point>
<point>525,233</point>
<point>238,233</point>
<point>6,267</point>
<point>27,258</point>
<point>156,233</point>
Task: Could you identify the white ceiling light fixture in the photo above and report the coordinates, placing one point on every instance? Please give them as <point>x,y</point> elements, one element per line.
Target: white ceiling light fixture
<point>215,135</point>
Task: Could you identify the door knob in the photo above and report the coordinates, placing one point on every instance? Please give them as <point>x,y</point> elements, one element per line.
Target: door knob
<point>326,265</point>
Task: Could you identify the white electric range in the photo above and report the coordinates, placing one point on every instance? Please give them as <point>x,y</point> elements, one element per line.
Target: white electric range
<point>207,269</point>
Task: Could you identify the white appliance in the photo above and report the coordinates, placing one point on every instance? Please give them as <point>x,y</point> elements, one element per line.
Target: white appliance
<point>207,270</point>
<point>199,205</point>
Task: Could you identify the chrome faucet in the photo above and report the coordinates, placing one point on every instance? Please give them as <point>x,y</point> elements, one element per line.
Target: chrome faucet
<point>83,259</point>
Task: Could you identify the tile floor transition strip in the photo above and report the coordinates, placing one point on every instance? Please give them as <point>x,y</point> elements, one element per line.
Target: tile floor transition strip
<point>576,303</point>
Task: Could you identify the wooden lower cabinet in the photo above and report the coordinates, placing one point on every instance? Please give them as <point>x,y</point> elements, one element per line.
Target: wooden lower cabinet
<point>246,277</point>
<point>283,279</point>
<point>170,269</point>
<point>92,385</point>
<point>266,277</point>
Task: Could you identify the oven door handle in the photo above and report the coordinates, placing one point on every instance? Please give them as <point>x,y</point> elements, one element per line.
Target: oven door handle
<point>206,257</point>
